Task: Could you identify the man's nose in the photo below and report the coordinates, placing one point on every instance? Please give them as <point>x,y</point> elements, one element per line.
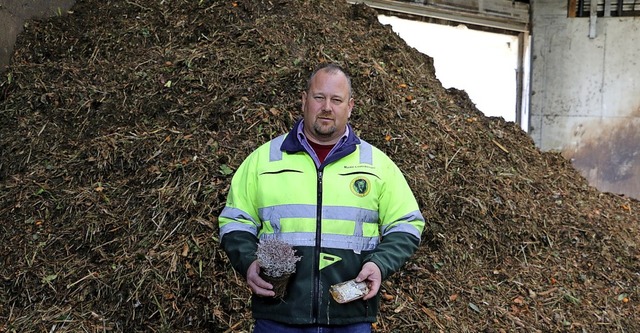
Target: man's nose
<point>327,105</point>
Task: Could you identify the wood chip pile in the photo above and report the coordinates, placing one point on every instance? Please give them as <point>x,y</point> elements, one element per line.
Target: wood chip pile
<point>122,123</point>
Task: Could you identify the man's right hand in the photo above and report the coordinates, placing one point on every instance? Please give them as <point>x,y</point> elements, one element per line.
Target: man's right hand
<point>259,286</point>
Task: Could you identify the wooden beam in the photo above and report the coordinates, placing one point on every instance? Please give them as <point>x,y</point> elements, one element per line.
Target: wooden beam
<point>494,18</point>
<point>573,8</point>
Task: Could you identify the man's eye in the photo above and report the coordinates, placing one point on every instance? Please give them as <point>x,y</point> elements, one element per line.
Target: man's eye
<point>318,98</point>
<point>337,100</point>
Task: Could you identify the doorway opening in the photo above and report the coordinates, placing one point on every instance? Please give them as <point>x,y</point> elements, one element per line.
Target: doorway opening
<point>492,68</point>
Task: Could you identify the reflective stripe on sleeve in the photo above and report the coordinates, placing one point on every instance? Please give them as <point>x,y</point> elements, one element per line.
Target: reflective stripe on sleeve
<point>237,226</point>
<point>404,224</point>
<point>230,220</point>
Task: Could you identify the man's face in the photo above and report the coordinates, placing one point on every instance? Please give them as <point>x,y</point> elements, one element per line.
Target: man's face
<point>326,107</point>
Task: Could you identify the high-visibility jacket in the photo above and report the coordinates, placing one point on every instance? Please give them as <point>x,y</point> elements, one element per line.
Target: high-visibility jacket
<point>354,208</point>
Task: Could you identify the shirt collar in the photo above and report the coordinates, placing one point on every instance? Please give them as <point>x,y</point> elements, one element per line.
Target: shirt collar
<point>305,140</point>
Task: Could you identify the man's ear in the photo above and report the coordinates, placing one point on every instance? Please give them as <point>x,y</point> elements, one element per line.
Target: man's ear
<point>304,99</point>
<point>351,104</point>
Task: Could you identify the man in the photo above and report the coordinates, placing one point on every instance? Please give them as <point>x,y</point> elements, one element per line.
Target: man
<point>341,203</point>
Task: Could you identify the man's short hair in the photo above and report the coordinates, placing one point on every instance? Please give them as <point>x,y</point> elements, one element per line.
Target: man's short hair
<point>330,68</point>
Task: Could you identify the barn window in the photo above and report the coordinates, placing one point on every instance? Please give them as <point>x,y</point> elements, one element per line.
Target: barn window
<point>603,8</point>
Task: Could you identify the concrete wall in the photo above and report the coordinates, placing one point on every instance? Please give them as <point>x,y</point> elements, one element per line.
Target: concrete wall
<point>585,94</point>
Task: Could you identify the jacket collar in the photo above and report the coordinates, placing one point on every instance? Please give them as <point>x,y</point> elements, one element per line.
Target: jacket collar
<point>293,143</point>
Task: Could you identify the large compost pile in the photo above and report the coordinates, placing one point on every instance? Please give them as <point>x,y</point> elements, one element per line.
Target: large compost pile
<point>122,123</point>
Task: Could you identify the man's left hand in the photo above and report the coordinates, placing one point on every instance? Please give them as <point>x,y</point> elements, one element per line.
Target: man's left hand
<point>370,272</point>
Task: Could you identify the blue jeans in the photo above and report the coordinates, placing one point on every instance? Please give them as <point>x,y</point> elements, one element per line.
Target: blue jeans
<point>269,326</point>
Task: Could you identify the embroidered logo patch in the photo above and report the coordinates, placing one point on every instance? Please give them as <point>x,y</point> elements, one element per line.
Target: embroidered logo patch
<point>360,186</point>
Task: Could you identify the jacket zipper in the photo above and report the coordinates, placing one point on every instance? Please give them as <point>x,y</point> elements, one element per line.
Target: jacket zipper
<point>316,264</point>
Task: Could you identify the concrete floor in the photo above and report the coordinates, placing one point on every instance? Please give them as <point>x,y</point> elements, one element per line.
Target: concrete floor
<point>14,13</point>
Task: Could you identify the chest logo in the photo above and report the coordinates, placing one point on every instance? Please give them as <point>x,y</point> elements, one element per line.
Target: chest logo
<point>360,186</point>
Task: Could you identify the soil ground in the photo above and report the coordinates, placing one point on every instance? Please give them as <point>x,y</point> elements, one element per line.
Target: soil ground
<point>122,124</point>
